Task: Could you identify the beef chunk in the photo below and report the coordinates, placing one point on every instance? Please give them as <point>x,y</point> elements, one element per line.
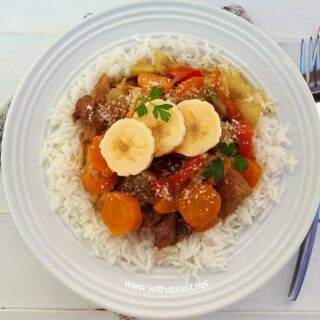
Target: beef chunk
<point>98,111</point>
<point>101,90</point>
<point>233,188</point>
<point>90,116</point>
<point>165,232</point>
<point>166,165</point>
<point>150,218</point>
<point>182,228</point>
<point>84,110</point>
<point>139,187</point>
<point>107,114</point>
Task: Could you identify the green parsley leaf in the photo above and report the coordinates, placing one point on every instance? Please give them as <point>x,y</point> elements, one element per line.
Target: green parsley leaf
<point>161,110</point>
<point>214,169</point>
<point>142,110</point>
<point>158,110</point>
<point>240,162</point>
<point>156,93</point>
<point>227,149</point>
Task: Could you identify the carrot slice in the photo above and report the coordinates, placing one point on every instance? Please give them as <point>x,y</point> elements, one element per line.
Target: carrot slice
<point>130,114</point>
<point>164,206</point>
<point>95,157</point>
<point>199,205</point>
<point>147,81</point>
<point>121,212</point>
<point>97,183</point>
<point>189,88</point>
<point>206,226</point>
<point>253,173</point>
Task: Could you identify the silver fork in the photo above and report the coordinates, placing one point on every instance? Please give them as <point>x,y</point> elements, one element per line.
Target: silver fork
<point>310,70</point>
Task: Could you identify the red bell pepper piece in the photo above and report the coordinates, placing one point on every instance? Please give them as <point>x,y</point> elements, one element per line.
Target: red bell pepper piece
<point>183,73</point>
<point>242,130</point>
<point>173,182</point>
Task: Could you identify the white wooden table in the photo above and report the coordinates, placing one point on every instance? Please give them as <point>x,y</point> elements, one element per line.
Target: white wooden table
<point>27,290</point>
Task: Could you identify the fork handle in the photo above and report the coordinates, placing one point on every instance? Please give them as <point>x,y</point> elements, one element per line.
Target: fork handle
<point>303,259</point>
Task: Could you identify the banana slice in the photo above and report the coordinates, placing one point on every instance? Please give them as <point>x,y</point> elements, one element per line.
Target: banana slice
<point>128,147</point>
<point>203,127</point>
<point>168,135</point>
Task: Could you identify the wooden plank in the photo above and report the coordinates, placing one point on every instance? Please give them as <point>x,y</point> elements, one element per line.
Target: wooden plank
<point>20,52</point>
<point>25,283</point>
<point>4,209</point>
<point>105,315</point>
<point>277,18</point>
<point>48,16</point>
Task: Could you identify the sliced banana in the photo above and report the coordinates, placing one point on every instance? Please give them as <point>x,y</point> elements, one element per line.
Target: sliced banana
<point>128,147</point>
<point>168,135</point>
<point>203,128</point>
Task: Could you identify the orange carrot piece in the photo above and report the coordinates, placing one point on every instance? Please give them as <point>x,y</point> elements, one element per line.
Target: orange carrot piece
<point>95,157</point>
<point>130,114</point>
<point>199,204</point>
<point>206,226</point>
<point>164,206</point>
<point>253,173</point>
<point>189,88</point>
<point>121,212</point>
<point>97,183</point>
<point>147,81</point>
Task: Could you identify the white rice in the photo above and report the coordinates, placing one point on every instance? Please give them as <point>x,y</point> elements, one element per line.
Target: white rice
<point>135,252</point>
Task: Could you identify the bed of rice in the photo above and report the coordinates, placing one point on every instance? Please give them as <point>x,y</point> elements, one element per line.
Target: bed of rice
<point>61,155</point>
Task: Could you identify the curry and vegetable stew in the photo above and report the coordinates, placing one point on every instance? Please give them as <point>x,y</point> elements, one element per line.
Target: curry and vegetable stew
<point>169,149</point>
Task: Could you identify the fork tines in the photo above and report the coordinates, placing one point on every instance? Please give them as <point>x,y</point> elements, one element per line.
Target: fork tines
<point>310,68</point>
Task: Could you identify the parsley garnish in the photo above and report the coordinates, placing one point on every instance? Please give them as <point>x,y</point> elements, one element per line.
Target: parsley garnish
<point>230,150</point>
<point>158,110</point>
<point>142,110</point>
<point>156,93</point>
<point>227,149</point>
<point>161,110</point>
<point>240,162</point>
<point>214,169</point>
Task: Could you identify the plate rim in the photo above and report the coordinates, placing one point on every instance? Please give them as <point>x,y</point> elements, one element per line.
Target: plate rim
<point>14,106</point>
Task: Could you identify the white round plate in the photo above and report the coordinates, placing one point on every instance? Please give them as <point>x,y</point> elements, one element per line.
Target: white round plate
<point>275,239</point>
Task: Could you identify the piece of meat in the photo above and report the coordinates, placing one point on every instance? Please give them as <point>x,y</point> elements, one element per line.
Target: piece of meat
<point>233,188</point>
<point>150,218</point>
<point>166,165</point>
<point>165,232</point>
<point>182,228</point>
<point>96,119</point>
<point>138,186</point>
<point>88,114</point>
<point>105,115</point>
<point>101,90</point>
<point>84,110</point>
